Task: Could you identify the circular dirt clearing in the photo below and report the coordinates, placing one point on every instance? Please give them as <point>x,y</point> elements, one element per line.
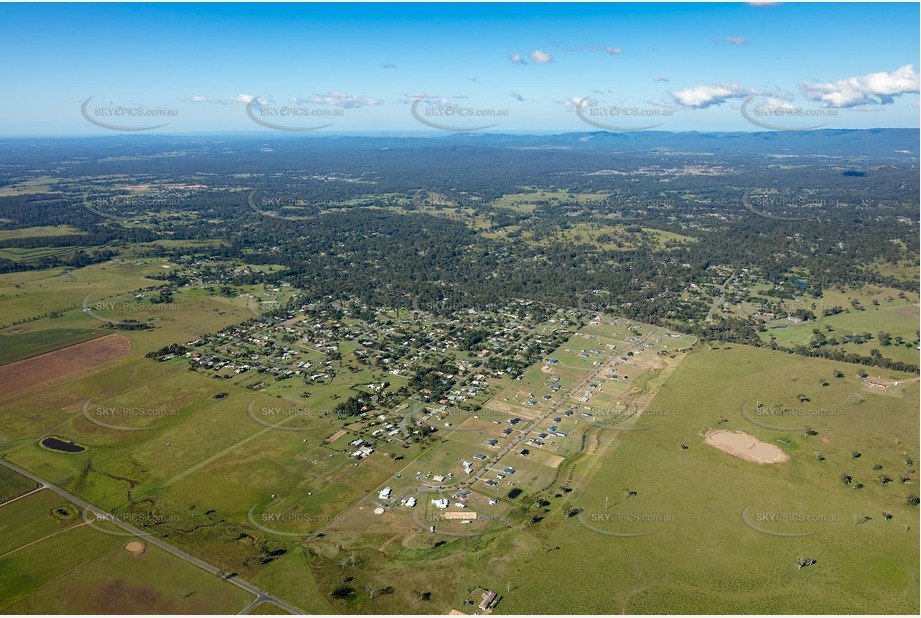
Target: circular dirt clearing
<point>135,547</point>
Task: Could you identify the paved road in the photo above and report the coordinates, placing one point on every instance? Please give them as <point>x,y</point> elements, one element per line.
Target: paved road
<point>261,595</point>
<point>562,402</point>
<point>719,301</point>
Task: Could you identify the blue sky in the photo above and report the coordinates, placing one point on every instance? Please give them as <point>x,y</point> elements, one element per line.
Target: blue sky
<point>520,67</point>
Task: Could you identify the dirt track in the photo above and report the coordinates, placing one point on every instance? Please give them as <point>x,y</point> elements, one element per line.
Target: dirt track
<point>22,376</point>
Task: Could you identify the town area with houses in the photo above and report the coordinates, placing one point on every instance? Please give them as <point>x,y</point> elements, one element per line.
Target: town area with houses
<point>479,413</point>
<point>401,353</point>
<point>483,470</point>
<point>389,376</point>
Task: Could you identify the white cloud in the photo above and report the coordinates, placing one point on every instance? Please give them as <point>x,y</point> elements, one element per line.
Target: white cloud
<point>764,3</point>
<point>772,102</point>
<point>865,108</point>
<point>572,102</point>
<point>388,66</point>
<point>246,99</point>
<point>541,57</point>
<point>702,97</point>
<point>337,99</point>
<point>517,96</point>
<point>429,99</point>
<point>660,78</point>
<point>202,99</point>
<point>735,40</point>
<point>875,88</point>
<point>517,59</point>
<point>613,50</point>
<point>418,96</point>
<point>243,99</point>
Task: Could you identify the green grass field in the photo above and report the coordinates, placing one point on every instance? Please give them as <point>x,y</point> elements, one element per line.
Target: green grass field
<point>28,294</point>
<point>51,564</point>
<point>192,465</point>
<point>894,315</point>
<point>691,501</point>
<point>39,231</point>
<point>27,255</point>
<point>13,485</point>
<point>14,347</point>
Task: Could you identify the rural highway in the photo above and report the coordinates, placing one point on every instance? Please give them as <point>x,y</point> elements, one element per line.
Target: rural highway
<point>261,595</point>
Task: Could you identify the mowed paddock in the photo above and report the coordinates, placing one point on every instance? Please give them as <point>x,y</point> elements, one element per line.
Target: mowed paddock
<point>22,376</point>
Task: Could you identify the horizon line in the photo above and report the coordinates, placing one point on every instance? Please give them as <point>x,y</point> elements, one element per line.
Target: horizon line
<point>425,134</point>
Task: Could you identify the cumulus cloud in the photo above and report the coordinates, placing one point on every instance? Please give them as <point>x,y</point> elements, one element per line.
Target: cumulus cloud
<point>540,57</point>
<point>517,59</point>
<point>702,97</point>
<point>772,102</point>
<point>337,99</point>
<point>573,102</point>
<point>873,89</point>
<point>735,40</point>
<point>429,99</point>
<point>246,99</point>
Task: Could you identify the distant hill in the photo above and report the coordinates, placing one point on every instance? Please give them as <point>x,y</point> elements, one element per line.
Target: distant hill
<point>855,145</point>
<point>874,143</point>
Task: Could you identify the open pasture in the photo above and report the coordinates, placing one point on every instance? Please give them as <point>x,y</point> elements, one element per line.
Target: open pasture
<point>664,502</point>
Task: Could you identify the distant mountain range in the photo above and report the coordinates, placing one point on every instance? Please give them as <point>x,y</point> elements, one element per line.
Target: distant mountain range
<point>874,143</point>
<point>900,145</point>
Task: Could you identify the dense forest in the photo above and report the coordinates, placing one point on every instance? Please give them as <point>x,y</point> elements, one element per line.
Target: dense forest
<point>412,222</point>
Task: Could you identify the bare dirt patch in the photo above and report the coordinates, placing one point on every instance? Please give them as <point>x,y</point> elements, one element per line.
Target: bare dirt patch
<point>742,445</point>
<point>135,547</point>
<point>497,406</point>
<point>22,376</point>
